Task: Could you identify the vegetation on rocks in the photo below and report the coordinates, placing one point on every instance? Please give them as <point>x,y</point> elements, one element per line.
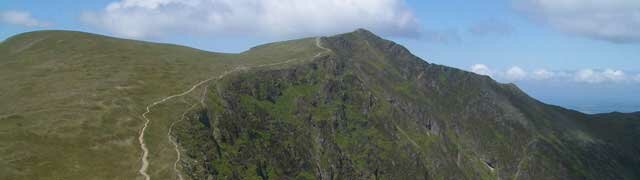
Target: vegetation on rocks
<point>371,110</point>
<point>367,109</point>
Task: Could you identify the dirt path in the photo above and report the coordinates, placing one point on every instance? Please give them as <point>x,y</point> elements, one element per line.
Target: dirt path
<point>143,145</point>
<point>175,143</point>
<point>319,44</point>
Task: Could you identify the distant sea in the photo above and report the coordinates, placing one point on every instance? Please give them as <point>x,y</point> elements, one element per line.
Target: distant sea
<point>587,98</point>
<point>604,108</point>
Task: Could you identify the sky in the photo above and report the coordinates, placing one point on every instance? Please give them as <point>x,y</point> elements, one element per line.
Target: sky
<point>580,54</point>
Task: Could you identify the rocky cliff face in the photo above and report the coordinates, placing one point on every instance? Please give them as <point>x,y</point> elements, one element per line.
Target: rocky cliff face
<point>372,110</point>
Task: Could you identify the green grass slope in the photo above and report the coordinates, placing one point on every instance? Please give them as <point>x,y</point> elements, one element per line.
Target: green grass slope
<point>72,102</point>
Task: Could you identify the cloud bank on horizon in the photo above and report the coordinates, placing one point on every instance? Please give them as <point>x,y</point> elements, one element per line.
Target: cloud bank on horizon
<point>148,18</point>
<point>590,76</point>
<point>615,21</point>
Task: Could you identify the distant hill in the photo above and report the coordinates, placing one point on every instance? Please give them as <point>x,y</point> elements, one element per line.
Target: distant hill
<point>350,106</point>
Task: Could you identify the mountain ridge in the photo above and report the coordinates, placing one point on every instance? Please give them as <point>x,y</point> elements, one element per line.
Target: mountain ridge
<point>378,68</point>
<point>369,109</point>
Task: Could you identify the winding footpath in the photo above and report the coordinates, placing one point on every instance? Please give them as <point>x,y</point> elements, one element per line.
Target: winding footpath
<point>175,143</point>
<point>143,145</point>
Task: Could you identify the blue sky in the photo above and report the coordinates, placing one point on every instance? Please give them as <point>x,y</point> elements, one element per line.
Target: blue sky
<point>578,54</point>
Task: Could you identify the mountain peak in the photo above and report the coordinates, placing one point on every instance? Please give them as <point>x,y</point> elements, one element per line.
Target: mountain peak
<point>355,101</point>
<point>363,31</point>
<point>363,34</point>
<point>364,42</point>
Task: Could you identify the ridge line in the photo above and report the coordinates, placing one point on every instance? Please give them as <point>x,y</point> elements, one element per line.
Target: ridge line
<point>143,146</point>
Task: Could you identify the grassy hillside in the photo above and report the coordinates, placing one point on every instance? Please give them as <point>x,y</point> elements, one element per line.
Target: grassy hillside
<point>350,106</point>
<point>72,101</point>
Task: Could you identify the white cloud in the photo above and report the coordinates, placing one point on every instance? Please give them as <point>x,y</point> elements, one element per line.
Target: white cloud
<point>611,20</point>
<point>144,18</point>
<point>614,75</point>
<point>542,74</point>
<point>515,73</point>
<point>564,74</point>
<point>593,76</point>
<point>590,76</point>
<point>481,69</point>
<point>21,18</point>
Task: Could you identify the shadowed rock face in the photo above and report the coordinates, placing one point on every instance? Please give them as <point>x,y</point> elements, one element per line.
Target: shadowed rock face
<point>370,109</point>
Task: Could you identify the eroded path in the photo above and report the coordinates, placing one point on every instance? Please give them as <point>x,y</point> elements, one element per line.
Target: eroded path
<point>143,145</point>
